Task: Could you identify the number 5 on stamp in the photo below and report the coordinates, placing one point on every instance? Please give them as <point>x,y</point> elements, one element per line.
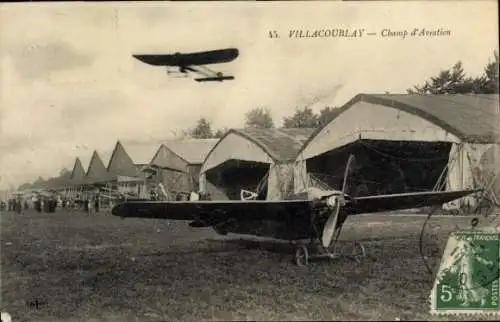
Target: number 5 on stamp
<point>468,277</point>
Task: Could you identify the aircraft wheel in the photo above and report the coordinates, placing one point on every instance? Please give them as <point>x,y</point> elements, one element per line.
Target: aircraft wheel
<point>301,256</point>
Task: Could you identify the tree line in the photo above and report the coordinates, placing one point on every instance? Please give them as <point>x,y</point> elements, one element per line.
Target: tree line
<point>261,118</point>
<point>452,80</point>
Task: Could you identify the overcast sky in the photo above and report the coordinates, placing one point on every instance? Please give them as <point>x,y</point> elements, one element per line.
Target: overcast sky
<point>69,84</point>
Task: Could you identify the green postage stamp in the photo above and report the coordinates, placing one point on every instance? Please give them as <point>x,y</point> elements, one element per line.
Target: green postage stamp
<point>468,278</point>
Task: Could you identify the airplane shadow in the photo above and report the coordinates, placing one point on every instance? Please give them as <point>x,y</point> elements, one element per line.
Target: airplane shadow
<point>218,246</point>
<point>283,250</point>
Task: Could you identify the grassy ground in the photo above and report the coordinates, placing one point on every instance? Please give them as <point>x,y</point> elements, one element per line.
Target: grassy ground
<point>102,268</point>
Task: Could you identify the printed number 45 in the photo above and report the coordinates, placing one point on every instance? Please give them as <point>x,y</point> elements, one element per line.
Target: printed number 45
<point>446,294</point>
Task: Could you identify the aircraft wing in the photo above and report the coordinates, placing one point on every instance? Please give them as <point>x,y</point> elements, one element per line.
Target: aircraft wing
<point>190,59</point>
<point>214,211</point>
<point>401,201</point>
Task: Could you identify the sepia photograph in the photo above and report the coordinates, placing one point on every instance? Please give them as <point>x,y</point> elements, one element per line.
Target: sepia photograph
<point>247,160</point>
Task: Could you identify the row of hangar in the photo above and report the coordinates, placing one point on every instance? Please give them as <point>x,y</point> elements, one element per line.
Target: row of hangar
<point>401,143</point>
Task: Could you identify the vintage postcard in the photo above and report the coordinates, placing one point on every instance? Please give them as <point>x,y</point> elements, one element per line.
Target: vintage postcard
<point>243,160</point>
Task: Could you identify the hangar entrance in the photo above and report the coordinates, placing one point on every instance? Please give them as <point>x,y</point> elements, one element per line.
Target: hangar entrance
<point>230,177</point>
<point>383,167</point>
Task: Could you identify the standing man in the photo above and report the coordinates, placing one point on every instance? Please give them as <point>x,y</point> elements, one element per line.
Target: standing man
<point>96,202</point>
<point>37,203</point>
<point>91,205</point>
<point>18,205</point>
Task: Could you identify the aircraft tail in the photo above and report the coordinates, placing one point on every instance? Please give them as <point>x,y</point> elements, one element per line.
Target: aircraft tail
<point>213,79</point>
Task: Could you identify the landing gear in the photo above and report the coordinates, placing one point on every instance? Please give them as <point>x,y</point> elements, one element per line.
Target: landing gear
<point>304,254</point>
<point>301,256</point>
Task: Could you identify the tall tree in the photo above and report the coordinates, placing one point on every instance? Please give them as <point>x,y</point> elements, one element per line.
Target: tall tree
<point>202,130</point>
<point>455,81</point>
<point>491,85</point>
<point>220,133</point>
<point>448,81</point>
<point>259,118</point>
<point>303,118</point>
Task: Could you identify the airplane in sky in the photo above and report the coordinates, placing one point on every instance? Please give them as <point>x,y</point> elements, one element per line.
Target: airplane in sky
<point>193,62</point>
<point>313,215</point>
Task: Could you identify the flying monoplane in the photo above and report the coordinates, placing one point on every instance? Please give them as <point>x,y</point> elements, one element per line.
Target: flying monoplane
<point>313,215</point>
<point>193,62</point>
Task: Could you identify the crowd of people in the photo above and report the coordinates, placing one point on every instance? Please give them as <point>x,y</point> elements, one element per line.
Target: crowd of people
<point>89,203</point>
<point>50,204</point>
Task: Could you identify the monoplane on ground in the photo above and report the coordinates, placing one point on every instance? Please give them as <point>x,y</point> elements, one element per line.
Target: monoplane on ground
<point>313,215</point>
<point>193,62</point>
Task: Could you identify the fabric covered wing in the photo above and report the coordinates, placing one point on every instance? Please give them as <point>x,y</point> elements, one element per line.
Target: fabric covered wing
<point>214,211</point>
<point>199,58</point>
<point>401,201</point>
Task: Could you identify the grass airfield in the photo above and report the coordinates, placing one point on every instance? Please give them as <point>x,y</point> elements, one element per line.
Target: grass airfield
<point>70,266</point>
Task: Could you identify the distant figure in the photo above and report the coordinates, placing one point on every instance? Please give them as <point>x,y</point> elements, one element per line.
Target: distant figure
<point>53,204</point>
<point>111,205</point>
<point>96,204</point>
<point>18,206</point>
<point>86,205</point>
<point>45,204</point>
<point>91,204</point>
<point>37,204</point>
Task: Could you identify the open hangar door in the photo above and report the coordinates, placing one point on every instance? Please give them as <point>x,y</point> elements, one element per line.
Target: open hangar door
<point>226,181</point>
<point>383,166</point>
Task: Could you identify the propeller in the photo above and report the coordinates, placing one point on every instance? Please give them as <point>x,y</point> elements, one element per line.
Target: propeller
<point>335,201</point>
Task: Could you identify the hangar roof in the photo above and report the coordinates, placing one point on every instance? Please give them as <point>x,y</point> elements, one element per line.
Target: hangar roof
<point>141,152</point>
<point>78,171</point>
<point>193,151</point>
<point>85,159</point>
<point>281,145</point>
<point>474,118</point>
<point>97,169</point>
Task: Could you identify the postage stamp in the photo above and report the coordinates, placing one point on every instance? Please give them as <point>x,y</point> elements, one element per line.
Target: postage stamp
<point>468,278</point>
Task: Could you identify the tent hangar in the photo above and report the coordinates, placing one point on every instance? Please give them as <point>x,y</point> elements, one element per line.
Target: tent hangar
<point>96,172</point>
<point>80,169</point>
<point>177,164</point>
<point>78,172</point>
<point>257,160</point>
<point>406,143</point>
<point>126,164</point>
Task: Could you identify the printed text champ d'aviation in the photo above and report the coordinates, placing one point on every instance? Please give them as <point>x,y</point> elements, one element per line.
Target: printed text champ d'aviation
<point>353,33</point>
